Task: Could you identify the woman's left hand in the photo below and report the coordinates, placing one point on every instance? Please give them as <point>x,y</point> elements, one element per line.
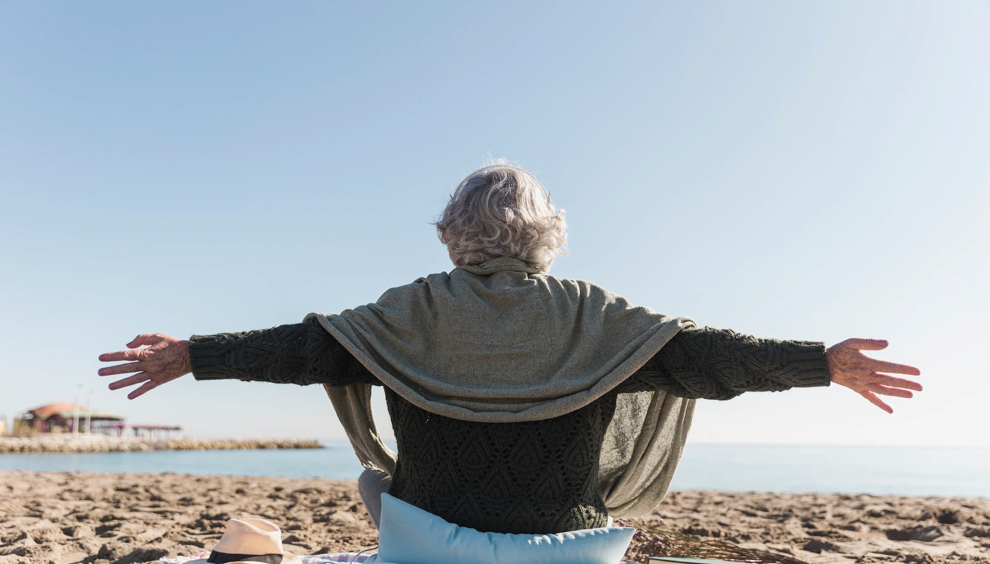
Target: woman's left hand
<point>862,374</point>
<point>165,359</point>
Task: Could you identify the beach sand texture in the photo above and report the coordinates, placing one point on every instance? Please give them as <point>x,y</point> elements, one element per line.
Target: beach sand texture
<point>122,518</point>
<point>102,443</point>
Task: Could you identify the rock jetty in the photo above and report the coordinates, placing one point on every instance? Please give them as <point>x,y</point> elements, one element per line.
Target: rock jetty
<point>101,443</point>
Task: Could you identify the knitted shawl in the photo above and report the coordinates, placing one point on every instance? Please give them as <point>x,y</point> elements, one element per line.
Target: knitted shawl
<point>501,342</point>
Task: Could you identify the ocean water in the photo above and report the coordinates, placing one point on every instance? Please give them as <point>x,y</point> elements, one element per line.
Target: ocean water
<point>835,469</point>
<point>824,469</point>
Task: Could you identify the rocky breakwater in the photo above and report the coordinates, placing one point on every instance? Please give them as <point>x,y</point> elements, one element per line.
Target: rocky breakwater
<point>101,443</point>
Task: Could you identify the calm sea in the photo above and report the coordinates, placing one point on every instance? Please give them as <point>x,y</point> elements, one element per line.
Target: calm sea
<point>825,469</point>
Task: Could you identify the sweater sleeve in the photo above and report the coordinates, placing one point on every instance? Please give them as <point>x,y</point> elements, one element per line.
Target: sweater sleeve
<point>302,353</point>
<point>720,364</point>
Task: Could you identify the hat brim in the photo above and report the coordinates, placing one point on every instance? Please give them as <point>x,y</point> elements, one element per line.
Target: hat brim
<point>287,558</point>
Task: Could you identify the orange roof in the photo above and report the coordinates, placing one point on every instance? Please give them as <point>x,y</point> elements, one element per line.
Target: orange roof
<point>67,410</point>
<point>46,411</point>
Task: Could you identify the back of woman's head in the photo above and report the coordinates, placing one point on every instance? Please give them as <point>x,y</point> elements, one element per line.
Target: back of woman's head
<point>502,211</point>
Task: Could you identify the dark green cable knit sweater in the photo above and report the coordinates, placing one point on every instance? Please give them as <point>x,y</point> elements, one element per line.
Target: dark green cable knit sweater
<point>533,477</point>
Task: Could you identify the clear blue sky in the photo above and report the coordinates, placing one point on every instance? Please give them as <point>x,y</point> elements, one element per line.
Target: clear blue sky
<point>814,170</point>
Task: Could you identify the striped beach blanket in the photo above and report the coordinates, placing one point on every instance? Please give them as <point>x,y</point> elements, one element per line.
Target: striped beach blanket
<point>315,559</point>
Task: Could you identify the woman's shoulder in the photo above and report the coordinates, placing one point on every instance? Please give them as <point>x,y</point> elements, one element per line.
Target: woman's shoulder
<point>584,289</point>
<point>419,289</point>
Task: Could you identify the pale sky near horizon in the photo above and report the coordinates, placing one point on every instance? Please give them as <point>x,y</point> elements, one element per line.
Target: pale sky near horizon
<point>815,170</point>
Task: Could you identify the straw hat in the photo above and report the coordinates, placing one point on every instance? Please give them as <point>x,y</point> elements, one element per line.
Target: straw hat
<point>249,541</point>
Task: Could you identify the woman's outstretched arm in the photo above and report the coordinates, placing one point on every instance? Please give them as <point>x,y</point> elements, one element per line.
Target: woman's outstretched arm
<point>721,364</point>
<point>302,353</point>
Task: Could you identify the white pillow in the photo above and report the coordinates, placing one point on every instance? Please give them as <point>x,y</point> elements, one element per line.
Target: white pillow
<point>409,535</point>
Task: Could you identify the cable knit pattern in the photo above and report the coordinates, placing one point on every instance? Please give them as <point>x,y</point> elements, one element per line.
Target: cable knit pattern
<point>301,353</point>
<point>534,477</point>
<point>720,364</point>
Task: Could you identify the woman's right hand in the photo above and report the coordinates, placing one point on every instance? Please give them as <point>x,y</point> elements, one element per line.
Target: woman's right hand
<point>165,359</point>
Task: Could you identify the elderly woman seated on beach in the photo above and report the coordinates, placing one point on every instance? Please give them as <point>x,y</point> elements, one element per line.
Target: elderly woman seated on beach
<point>520,402</point>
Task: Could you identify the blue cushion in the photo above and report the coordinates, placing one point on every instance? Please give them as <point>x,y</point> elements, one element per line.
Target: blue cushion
<point>409,535</point>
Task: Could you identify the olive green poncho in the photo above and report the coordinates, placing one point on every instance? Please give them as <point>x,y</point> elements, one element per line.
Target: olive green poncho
<point>501,342</point>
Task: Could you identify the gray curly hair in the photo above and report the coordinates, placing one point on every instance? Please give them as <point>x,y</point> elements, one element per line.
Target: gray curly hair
<point>502,211</point>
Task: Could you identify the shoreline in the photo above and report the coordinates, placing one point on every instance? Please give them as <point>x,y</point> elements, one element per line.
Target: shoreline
<point>671,492</point>
<point>67,518</point>
<point>101,443</point>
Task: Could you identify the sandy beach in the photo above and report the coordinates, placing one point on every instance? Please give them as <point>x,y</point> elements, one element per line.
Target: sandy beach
<point>62,443</point>
<point>63,518</point>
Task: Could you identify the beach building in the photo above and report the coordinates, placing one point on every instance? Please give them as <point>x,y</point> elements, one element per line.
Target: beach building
<point>155,431</point>
<point>67,417</point>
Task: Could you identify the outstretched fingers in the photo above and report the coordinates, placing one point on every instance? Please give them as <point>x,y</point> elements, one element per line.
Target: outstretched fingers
<point>145,339</point>
<point>123,355</point>
<point>884,390</point>
<point>122,368</point>
<point>866,344</point>
<point>872,398</point>
<point>893,382</point>
<point>145,388</point>
<point>129,381</point>
<point>884,366</point>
